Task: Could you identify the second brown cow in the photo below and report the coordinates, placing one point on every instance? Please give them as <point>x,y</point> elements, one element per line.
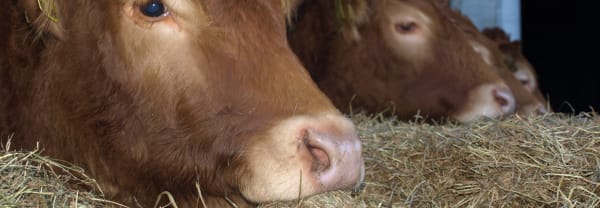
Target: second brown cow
<point>527,102</point>
<point>518,63</point>
<point>403,56</point>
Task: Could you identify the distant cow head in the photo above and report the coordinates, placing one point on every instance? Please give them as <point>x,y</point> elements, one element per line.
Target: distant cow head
<point>157,95</point>
<point>399,54</point>
<point>517,62</point>
<point>526,101</point>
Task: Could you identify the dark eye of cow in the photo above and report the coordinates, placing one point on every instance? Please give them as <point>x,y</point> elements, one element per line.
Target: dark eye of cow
<point>154,9</point>
<point>405,27</point>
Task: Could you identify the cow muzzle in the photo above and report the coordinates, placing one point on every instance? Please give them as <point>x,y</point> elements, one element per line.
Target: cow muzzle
<point>303,156</point>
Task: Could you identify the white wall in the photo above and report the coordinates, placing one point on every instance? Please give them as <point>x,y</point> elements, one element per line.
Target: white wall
<point>505,14</point>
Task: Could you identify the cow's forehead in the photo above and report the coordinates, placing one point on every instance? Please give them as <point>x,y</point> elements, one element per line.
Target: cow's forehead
<point>399,8</point>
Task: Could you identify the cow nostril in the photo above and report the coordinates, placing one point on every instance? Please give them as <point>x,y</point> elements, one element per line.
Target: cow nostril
<point>504,99</point>
<point>328,152</point>
<point>500,99</point>
<point>320,157</point>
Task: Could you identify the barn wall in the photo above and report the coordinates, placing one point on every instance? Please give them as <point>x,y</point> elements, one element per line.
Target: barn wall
<point>505,14</point>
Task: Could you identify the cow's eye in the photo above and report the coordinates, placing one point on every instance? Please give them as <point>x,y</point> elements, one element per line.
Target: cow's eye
<point>147,13</point>
<point>154,8</point>
<point>405,27</point>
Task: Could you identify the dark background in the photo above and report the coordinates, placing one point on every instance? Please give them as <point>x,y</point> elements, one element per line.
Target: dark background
<point>559,41</point>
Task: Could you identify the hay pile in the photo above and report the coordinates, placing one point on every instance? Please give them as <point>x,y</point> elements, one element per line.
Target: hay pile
<point>30,180</point>
<point>544,161</point>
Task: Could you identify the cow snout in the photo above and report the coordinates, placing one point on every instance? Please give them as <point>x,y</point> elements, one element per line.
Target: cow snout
<point>302,156</point>
<point>536,108</point>
<point>541,109</point>
<point>335,155</point>
<point>488,100</point>
<point>504,99</point>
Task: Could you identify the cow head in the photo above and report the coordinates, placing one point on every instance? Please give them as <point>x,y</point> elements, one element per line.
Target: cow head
<point>522,70</point>
<point>157,95</point>
<point>507,59</point>
<point>516,61</point>
<point>498,60</point>
<point>406,55</point>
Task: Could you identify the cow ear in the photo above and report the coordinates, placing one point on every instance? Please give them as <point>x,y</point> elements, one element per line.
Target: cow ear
<point>44,16</point>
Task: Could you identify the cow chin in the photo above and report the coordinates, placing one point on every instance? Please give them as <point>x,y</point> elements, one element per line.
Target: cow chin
<point>302,156</point>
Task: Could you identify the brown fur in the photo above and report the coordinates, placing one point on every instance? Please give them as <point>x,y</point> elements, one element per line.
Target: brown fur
<point>499,56</point>
<point>141,131</point>
<point>514,57</point>
<point>365,75</point>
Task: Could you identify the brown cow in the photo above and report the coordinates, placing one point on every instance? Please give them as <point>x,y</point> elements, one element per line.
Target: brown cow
<point>152,96</point>
<point>517,62</point>
<point>527,101</point>
<point>399,54</point>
